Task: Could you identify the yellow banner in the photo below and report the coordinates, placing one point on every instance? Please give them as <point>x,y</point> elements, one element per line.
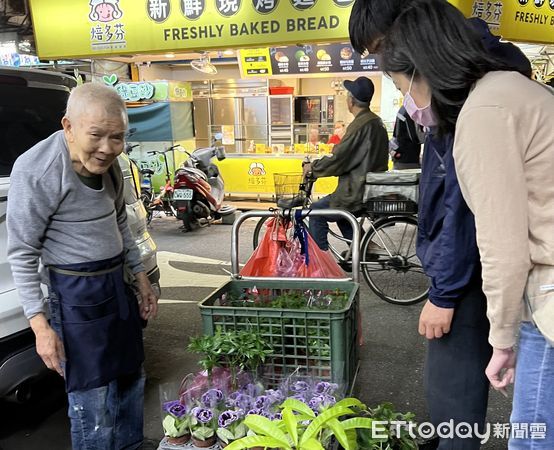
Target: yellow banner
<point>514,20</point>
<point>77,28</point>
<point>255,62</point>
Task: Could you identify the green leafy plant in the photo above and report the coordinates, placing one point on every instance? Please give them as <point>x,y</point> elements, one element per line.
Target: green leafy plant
<point>238,350</point>
<point>177,422</point>
<point>385,413</point>
<point>231,426</point>
<point>301,429</point>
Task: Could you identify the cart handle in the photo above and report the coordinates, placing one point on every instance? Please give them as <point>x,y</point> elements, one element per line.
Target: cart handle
<point>314,212</point>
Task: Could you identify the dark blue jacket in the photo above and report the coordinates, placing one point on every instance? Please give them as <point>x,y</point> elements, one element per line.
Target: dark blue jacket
<point>446,243</point>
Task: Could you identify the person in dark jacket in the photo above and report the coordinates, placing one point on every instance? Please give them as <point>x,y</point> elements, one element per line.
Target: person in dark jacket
<point>363,149</point>
<point>405,145</point>
<point>454,319</point>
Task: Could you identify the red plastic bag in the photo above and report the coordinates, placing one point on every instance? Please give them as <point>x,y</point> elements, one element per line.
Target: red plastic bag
<point>299,256</point>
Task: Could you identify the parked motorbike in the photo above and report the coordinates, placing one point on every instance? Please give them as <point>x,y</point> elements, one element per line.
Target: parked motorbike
<point>199,189</point>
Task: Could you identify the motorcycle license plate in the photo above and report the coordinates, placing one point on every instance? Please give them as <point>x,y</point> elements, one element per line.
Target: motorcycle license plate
<point>182,194</point>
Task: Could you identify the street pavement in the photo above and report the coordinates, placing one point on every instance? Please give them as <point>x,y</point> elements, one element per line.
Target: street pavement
<point>192,265</point>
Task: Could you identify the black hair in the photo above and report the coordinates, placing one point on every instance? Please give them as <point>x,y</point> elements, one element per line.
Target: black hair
<point>370,20</point>
<point>432,38</point>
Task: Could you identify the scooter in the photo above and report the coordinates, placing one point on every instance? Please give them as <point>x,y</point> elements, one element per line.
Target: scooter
<point>198,189</point>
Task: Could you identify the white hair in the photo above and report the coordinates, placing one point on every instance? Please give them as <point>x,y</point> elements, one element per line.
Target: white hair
<point>95,94</point>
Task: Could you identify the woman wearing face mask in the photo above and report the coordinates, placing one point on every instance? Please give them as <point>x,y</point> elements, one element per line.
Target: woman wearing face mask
<point>504,158</point>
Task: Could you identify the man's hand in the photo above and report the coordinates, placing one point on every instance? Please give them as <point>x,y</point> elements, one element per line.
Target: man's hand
<point>501,368</point>
<point>149,299</point>
<point>49,345</point>
<point>434,321</point>
<point>307,169</point>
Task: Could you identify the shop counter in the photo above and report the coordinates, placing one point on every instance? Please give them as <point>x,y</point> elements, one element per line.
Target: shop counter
<point>251,174</point>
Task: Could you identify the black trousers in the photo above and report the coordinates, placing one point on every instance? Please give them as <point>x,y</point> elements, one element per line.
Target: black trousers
<point>455,383</point>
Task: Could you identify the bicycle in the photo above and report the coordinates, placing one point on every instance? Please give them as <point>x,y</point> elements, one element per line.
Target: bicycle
<point>164,200</point>
<point>387,250</point>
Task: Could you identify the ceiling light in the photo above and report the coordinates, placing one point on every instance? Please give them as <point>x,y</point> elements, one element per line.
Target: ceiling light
<point>229,53</point>
<point>170,55</point>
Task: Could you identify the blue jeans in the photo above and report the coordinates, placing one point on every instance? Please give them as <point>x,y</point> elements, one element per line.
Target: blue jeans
<point>319,225</point>
<point>105,418</point>
<point>533,404</point>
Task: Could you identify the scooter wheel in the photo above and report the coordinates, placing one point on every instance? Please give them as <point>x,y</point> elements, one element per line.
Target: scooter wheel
<point>189,222</point>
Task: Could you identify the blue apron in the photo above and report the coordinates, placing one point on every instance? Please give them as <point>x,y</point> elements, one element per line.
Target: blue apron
<point>100,322</point>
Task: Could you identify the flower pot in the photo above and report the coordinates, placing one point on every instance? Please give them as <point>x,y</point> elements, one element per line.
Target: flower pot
<point>204,444</point>
<point>178,440</point>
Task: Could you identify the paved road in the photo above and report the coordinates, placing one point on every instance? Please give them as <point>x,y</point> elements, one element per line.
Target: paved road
<point>192,265</point>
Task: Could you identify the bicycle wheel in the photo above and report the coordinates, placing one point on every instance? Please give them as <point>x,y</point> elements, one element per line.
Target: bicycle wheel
<point>389,262</point>
<point>257,231</point>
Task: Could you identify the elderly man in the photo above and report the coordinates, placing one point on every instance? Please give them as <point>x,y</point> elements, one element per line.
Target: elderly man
<point>363,149</point>
<point>70,216</point>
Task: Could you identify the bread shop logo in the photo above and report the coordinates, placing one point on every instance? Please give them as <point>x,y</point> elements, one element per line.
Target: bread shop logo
<point>106,32</point>
<point>227,8</point>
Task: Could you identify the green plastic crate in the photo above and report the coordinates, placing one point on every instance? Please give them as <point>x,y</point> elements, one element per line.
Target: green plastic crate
<point>320,343</point>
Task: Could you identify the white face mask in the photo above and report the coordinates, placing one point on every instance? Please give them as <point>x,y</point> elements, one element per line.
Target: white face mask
<point>422,116</point>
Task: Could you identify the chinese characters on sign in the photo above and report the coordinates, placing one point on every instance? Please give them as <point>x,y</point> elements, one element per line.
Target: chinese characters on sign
<point>264,6</point>
<point>303,4</point>
<point>228,8</point>
<point>519,430</point>
<point>158,10</point>
<point>105,34</point>
<point>489,11</point>
<point>192,9</point>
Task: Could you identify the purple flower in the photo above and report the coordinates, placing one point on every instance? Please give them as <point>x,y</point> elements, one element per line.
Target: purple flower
<point>203,415</point>
<point>231,399</point>
<point>255,411</point>
<point>275,396</point>
<point>323,387</point>
<point>300,386</point>
<point>300,397</point>
<point>211,398</point>
<point>262,402</point>
<point>277,416</point>
<point>321,401</point>
<point>228,417</point>
<point>244,401</point>
<point>175,408</point>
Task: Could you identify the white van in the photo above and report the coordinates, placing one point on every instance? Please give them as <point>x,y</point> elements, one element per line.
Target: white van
<point>32,103</point>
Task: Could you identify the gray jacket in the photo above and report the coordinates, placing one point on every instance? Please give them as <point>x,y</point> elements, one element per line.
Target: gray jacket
<point>363,149</point>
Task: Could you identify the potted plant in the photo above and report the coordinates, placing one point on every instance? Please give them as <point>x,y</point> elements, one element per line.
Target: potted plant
<point>397,438</point>
<point>237,350</point>
<point>202,426</point>
<point>230,426</point>
<point>300,428</point>
<point>176,423</point>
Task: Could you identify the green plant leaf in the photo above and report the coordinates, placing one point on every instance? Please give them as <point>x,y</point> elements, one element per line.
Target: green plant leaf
<point>240,430</point>
<point>225,435</point>
<point>339,433</point>
<point>311,444</point>
<point>297,405</point>
<point>348,402</point>
<point>256,441</point>
<point>264,426</point>
<point>169,426</point>
<point>319,421</point>
<point>357,422</point>
<point>203,433</point>
<point>291,425</point>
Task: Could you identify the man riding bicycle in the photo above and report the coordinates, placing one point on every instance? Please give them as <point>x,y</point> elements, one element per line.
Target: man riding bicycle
<point>363,149</point>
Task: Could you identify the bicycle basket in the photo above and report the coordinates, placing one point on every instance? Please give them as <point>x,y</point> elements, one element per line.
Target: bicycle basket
<point>287,190</point>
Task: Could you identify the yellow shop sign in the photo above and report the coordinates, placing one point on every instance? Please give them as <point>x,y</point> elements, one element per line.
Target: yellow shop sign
<point>77,28</point>
<point>514,20</point>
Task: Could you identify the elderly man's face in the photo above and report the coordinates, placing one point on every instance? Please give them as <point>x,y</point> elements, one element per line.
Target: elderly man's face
<point>95,138</point>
